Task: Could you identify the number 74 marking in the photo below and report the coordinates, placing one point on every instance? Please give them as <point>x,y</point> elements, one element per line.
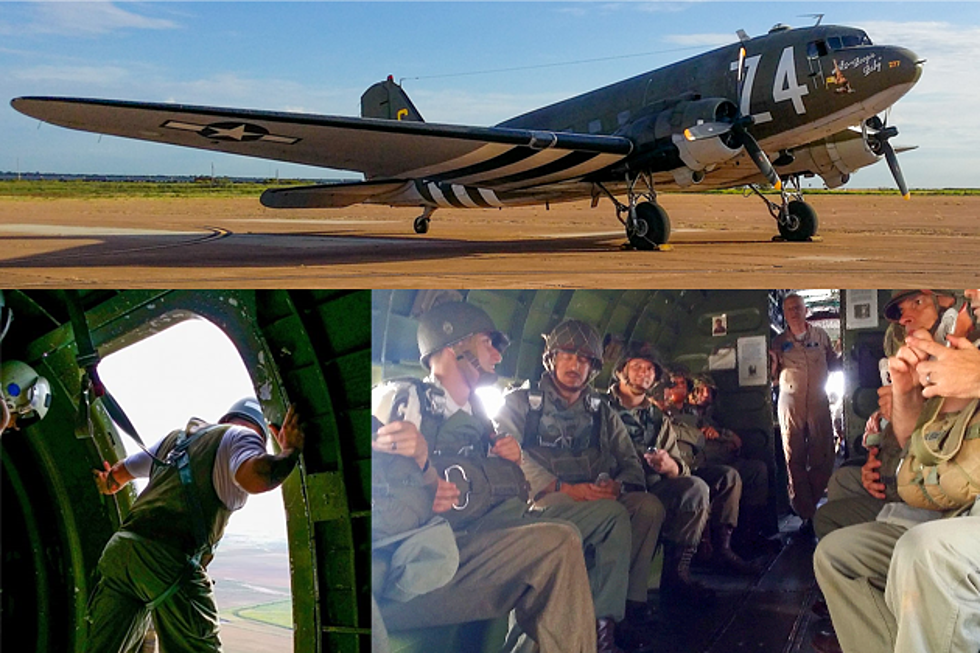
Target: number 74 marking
<point>784,84</point>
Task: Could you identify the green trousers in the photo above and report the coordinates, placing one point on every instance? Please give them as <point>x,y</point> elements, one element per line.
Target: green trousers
<point>892,589</point>
<point>536,569</point>
<point>133,572</point>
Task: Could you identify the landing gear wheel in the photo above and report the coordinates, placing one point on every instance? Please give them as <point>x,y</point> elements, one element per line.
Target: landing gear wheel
<point>800,223</point>
<point>421,224</point>
<point>648,227</point>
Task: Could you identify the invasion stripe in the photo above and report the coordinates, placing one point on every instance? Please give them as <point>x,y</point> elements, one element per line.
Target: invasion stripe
<point>507,158</point>
<point>484,153</point>
<point>463,196</point>
<point>490,197</point>
<point>477,198</point>
<point>449,195</point>
<point>423,190</point>
<point>530,163</point>
<point>568,161</point>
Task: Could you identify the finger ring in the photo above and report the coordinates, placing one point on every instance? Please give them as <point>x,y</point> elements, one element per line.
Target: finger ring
<point>394,445</point>
<point>929,378</point>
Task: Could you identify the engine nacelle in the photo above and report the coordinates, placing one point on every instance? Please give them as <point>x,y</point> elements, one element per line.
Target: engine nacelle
<point>703,153</point>
<point>835,158</point>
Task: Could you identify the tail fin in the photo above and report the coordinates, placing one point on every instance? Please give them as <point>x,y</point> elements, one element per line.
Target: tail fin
<point>387,100</point>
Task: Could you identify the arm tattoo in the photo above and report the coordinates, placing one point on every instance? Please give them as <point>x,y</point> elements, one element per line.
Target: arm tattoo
<point>275,468</point>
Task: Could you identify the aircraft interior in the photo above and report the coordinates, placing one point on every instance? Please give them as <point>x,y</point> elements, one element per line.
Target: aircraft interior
<point>308,348</point>
<point>770,611</point>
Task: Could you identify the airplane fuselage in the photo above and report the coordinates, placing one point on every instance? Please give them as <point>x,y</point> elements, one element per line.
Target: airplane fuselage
<point>799,86</point>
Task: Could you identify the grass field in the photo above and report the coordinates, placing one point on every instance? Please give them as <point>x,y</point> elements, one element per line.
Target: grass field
<point>279,613</point>
<point>223,188</point>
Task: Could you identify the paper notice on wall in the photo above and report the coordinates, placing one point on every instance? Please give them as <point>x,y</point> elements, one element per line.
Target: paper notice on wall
<point>862,309</point>
<point>753,361</point>
<point>722,359</point>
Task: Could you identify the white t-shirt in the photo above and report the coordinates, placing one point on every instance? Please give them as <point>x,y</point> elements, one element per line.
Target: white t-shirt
<point>238,444</point>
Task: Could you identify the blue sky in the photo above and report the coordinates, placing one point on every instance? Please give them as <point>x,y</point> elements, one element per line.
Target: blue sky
<point>320,56</point>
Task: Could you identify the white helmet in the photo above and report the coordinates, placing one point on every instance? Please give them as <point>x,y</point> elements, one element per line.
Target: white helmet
<point>24,390</point>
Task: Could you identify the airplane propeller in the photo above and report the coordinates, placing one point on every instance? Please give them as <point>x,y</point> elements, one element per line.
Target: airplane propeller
<point>877,134</point>
<point>739,129</point>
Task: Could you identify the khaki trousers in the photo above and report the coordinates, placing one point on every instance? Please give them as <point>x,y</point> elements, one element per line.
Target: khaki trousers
<point>848,503</point>
<point>647,515</point>
<point>686,501</point>
<point>896,590</point>
<point>808,444</point>
<point>725,492</point>
<point>537,570</point>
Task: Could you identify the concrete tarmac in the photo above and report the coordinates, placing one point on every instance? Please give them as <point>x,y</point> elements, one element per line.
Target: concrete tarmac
<point>718,241</point>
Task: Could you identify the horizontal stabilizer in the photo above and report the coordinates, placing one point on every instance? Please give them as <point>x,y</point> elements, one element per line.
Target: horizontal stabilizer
<point>328,196</point>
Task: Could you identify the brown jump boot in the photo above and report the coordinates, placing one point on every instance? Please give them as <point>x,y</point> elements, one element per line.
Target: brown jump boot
<point>727,559</point>
<point>676,583</point>
<point>605,636</point>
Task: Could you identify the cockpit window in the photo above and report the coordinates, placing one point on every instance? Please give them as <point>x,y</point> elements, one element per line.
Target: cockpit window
<point>816,49</point>
<point>848,41</point>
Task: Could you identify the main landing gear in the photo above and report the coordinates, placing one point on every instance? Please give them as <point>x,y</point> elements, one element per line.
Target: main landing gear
<point>647,223</point>
<point>421,224</point>
<point>797,221</point>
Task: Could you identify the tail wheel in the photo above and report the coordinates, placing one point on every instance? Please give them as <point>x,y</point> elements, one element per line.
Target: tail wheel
<point>799,223</point>
<point>421,225</point>
<point>648,227</point>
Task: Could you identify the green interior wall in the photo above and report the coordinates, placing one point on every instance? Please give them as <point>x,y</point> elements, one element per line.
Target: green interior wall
<point>305,347</point>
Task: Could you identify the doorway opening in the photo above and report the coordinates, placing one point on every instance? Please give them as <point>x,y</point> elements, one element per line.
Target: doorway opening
<point>193,369</point>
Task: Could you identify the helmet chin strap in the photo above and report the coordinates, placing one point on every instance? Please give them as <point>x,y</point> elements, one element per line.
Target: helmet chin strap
<point>484,377</point>
<point>636,389</point>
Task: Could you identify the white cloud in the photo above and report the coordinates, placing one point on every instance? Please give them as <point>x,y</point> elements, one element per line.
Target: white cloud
<point>99,76</point>
<point>98,17</point>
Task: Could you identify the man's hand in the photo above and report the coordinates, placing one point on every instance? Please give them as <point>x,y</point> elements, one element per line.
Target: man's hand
<point>507,448</point>
<point>870,477</point>
<point>267,472</point>
<point>402,439</point>
<point>710,433</point>
<point>661,462</point>
<point>735,443</point>
<point>590,491</point>
<point>447,495</point>
<point>955,370</point>
<point>289,436</point>
<point>111,479</point>
<point>885,401</point>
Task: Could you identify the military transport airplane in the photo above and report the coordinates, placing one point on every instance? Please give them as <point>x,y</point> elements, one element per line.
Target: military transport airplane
<point>793,103</point>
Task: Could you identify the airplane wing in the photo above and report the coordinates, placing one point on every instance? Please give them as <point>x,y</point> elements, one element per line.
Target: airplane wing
<point>375,147</point>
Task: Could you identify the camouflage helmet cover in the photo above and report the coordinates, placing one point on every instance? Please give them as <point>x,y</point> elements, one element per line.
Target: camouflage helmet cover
<point>574,336</point>
<point>643,350</point>
<point>452,322</point>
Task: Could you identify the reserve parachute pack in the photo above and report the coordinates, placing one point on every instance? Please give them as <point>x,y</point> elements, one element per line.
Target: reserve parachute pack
<point>942,468</point>
<point>570,457</point>
<point>458,447</point>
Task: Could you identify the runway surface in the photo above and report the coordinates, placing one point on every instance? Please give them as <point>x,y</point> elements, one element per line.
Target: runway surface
<point>718,241</point>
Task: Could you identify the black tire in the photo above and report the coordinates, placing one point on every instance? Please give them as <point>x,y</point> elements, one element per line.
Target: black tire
<point>421,225</point>
<point>649,228</point>
<point>801,223</point>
